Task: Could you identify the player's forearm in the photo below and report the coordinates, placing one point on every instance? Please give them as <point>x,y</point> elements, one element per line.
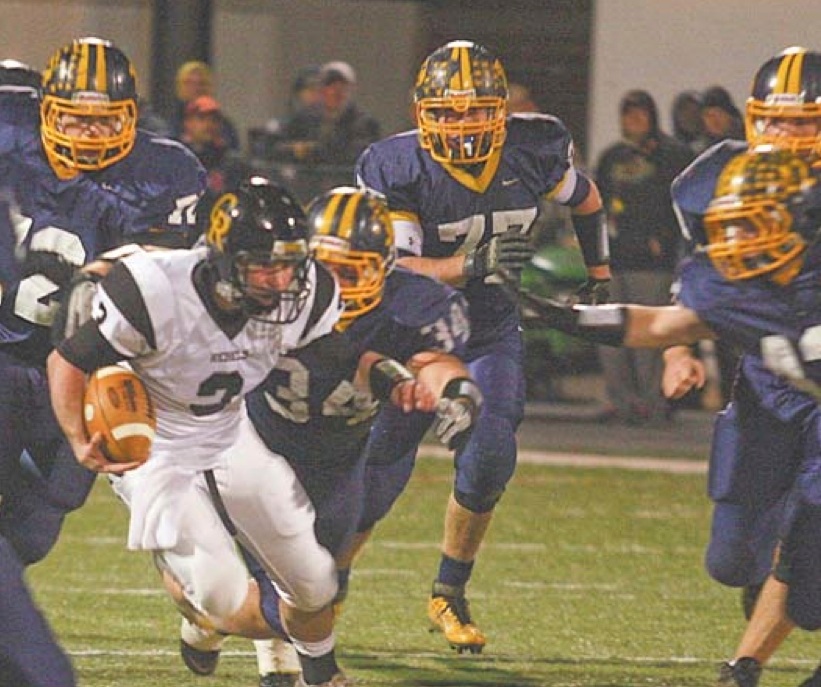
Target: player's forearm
<point>435,369</point>
<point>448,270</point>
<point>67,385</point>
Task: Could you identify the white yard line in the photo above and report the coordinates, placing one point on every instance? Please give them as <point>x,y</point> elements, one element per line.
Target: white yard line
<point>584,460</point>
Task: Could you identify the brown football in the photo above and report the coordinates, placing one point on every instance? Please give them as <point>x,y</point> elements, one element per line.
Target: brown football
<point>117,405</point>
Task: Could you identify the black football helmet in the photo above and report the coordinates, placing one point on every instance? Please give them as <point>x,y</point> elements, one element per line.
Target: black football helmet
<point>786,87</point>
<point>351,233</point>
<point>88,80</point>
<point>762,217</point>
<point>461,103</point>
<point>259,225</point>
<point>18,75</point>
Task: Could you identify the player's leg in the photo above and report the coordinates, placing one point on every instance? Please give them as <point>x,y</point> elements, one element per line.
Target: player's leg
<point>336,490</point>
<point>29,654</point>
<point>275,522</point>
<point>483,469</point>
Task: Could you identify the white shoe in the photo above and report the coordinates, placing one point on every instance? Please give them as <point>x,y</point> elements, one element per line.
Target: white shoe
<point>277,662</point>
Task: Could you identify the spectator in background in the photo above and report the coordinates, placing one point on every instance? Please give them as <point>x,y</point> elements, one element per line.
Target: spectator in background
<point>519,99</point>
<point>225,168</point>
<point>688,127</point>
<point>334,130</point>
<point>195,79</point>
<point>720,117</point>
<point>634,176</point>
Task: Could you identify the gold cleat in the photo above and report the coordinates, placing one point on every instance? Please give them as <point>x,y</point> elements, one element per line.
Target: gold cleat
<point>451,615</point>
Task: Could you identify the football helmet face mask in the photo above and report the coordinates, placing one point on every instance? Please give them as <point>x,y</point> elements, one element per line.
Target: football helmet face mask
<point>784,108</point>
<point>461,104</point>
<point>258,243</point>
<point>760,221</point>
<point>88,115</point>
<point>351,233</point>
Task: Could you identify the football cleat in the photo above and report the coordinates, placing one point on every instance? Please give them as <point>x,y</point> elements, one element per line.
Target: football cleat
<point>279,680</point>
<point>338,680</point>
<point>450,614</point>
<point>813,680</point>
<point>744,672</point>
<point>197,661</point>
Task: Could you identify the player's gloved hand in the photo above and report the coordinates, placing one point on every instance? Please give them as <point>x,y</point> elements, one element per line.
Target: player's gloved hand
<point>75,307</point>
<point>456,412</point>
<point>510,252</point>
<point>593,292</point>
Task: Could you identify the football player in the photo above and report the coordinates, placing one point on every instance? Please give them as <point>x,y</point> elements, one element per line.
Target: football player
<point>463,191</point>
<point>754,283</point>
<point>309,409</point>
<point>78,179</point>
<point>783,111</point>
<point>203,327</point>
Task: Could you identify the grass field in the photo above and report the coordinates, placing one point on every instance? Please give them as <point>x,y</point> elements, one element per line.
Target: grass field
<point>589,577</point>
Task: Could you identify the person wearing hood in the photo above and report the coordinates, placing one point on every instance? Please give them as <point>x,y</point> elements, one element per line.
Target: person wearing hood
<point>634,176</point>
<point>720,117</point>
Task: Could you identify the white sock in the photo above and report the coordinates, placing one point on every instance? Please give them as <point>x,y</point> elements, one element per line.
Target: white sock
<point>200,639</point>
<point>276,656</point>
<point>315,649</point>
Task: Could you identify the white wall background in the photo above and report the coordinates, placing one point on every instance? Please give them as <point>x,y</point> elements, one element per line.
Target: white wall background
<point>666,46</point>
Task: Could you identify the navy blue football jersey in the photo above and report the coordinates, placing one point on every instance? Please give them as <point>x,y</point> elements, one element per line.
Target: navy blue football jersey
<point>693,189</point>
<point>308,409</point>
<point>779,327</point>
<point>156,188</point>
<point>457,212</point>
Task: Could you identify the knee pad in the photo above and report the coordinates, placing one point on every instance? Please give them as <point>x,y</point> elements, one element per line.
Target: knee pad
<point>475,503</point>
<point>485,467</point>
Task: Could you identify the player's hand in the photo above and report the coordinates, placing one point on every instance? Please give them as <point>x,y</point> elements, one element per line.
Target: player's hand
<point>456,413</point>
<point>593,292</point>
<point>413,395</point>
<point>510,252</point>
<point>682,372</point>
<point>90,455</point>
<point>75,307</point>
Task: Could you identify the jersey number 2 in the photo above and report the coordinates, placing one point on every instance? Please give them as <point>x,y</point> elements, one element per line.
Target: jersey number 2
<point>229,384</point>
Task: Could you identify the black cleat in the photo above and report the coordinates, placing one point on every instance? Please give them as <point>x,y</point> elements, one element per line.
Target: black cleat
<point>745,672</point>
<point>279,680</point>
<point>813,680</point>
<point>199,662</point>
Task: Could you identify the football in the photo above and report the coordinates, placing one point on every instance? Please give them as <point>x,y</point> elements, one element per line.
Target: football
<point>117,405</point>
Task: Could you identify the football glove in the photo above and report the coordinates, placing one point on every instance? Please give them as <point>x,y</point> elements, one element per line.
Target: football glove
<point>593,292</point>
<point>456,413</point>
<point>510,252</point>
<point>75,306</point>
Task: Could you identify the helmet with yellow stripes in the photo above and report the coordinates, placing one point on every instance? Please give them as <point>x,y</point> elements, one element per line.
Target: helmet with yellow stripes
<point>761,218</point>
<point>461,103</point>
<point>784,108</point>
<point>89,107</point>
<point>352,235</point>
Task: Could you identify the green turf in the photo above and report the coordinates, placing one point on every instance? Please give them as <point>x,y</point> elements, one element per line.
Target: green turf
<point>587,578</point>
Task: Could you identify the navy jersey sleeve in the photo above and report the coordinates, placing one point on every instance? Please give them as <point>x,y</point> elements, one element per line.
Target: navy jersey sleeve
<point>392,168</point>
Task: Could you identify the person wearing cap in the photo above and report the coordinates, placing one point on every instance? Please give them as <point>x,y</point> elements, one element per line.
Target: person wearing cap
<point>334,130</point>
<point>195,79</point>
<point>203,133</point>
<point>634,176</point>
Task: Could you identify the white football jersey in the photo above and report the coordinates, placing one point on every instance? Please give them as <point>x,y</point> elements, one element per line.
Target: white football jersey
<point>195,372</point>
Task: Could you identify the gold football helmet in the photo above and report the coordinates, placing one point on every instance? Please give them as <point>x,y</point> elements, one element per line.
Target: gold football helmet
<point>352,235</point>
<point>89,109</point>
<point>461,103</point>
<point>784,107</point>
<point>758,221</point>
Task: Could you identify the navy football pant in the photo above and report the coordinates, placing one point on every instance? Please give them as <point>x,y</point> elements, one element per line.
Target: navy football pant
<point>29,654</point>
<point>35,502</point>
